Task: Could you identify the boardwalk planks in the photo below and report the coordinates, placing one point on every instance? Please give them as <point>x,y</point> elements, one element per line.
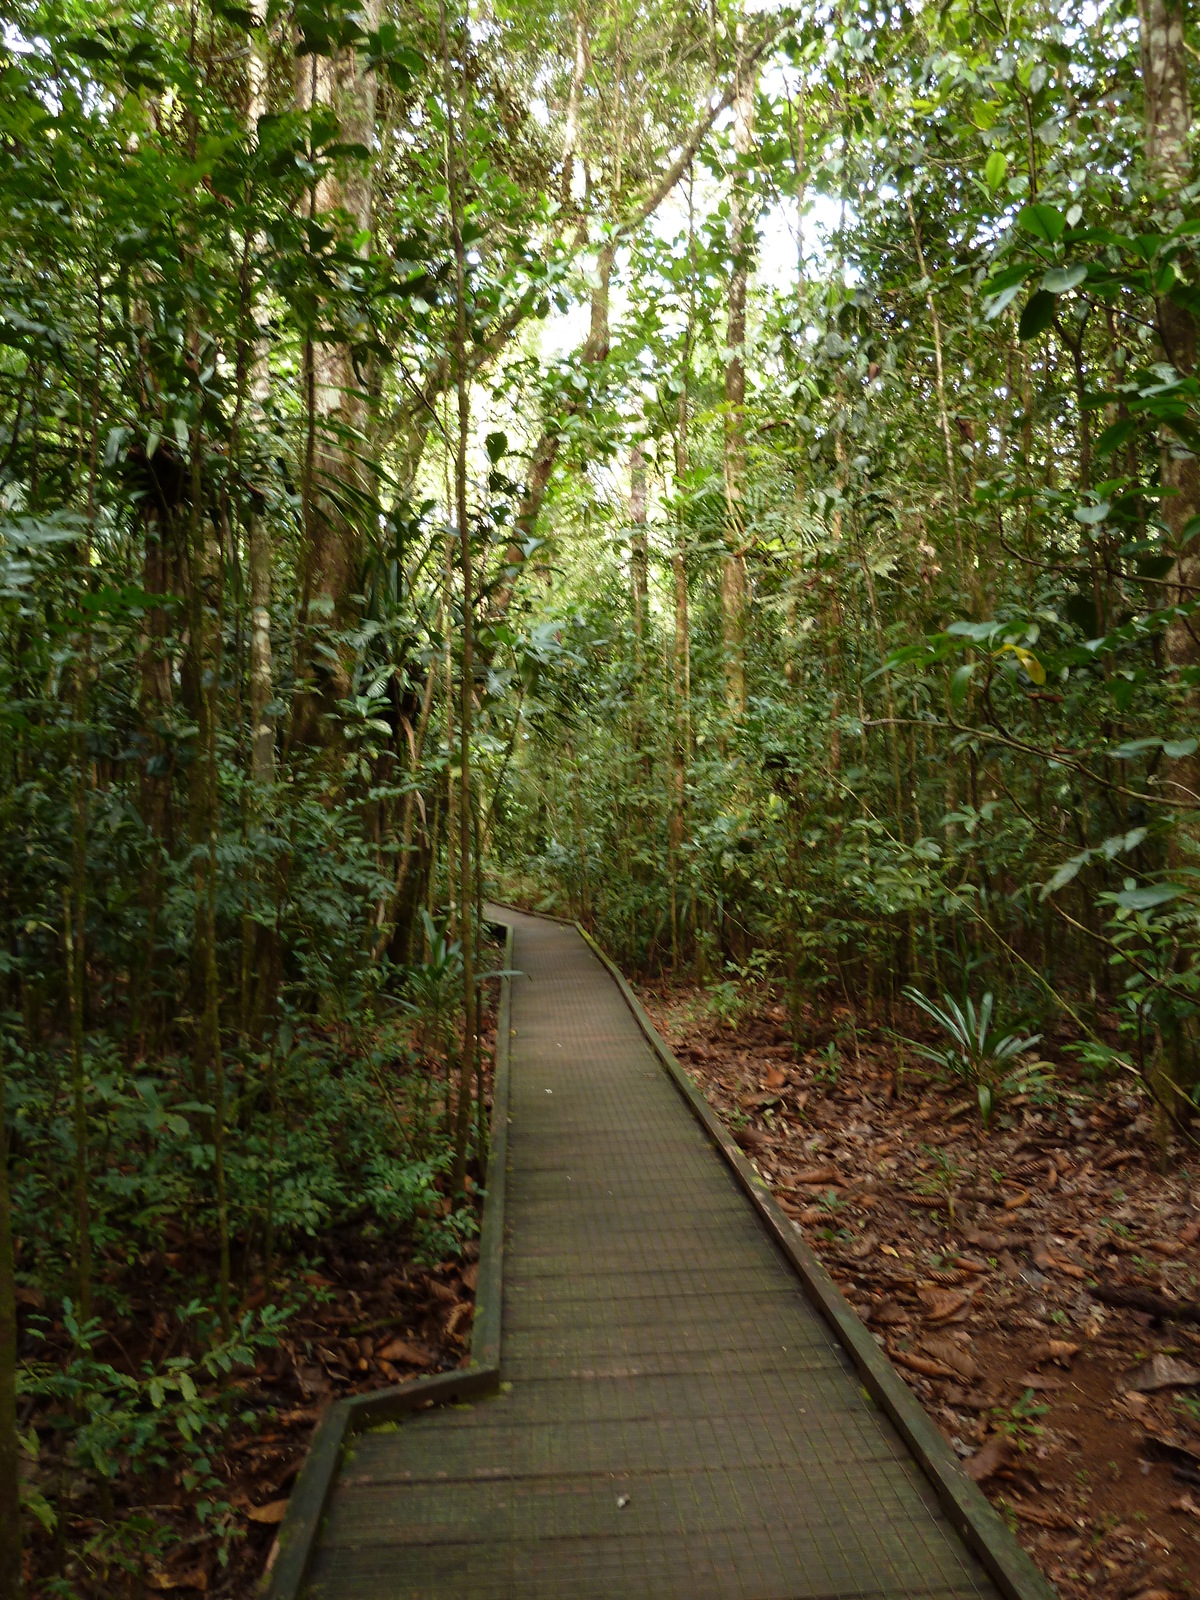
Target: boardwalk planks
<point>677,1417</point>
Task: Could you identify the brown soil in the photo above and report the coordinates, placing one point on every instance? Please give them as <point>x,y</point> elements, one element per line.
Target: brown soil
<point>1020,1280</point>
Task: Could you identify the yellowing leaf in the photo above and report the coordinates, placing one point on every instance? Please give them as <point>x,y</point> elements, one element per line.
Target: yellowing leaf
<point>1029,662</point>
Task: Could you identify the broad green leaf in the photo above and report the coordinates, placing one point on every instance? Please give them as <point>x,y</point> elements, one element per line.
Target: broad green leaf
<point>1016,273</point>
<point>1069,870</point>
<point>960,682</point>
<point>996,169</point>
<point>1178,749</point>
<point>974,630</point>
<point>1115,436</point>
<point>1038,314</point>
<point>1091,516</point>
<point>1044,222</point>
<point>1120,842</point>
<point>1001,302</point>
<point>1155,894</point>
<point>1059,279</point>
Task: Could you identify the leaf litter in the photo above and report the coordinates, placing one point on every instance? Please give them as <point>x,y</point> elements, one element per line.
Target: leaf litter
<point>1036,1286</point>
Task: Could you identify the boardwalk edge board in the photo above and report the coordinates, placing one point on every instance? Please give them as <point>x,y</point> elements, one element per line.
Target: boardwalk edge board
<point>1013,1571</point>
<point>298,1532</point>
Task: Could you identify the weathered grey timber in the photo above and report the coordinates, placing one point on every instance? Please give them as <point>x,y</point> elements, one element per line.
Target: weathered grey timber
<point>677,1418</point>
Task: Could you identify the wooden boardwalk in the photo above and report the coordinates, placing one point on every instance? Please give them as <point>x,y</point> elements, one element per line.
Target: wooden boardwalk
<point>676,1419</point>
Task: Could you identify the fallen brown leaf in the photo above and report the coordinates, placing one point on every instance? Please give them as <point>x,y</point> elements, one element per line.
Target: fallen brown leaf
<point>985,1463</point>
<point>460,1317</point>
<point>969,1264</point>
<point>952,1355</point>
<point>887,1314</point>
<point>921,1364</point>
<point>863,1247</point>
<point>992,1242</point>
<point>196,1579</point>
<point>1041,1517</point>
<point>407,1353</point>
<point>965,1399</point>
<point>1059,1350</point>
<point>1173,1443</point>
<point>756,1102</point>
<point>272,1512</point>
<point>1163,1372</point>
<point>941,1303</point>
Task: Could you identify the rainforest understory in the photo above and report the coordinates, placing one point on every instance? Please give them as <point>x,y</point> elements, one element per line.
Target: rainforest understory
<point>727,474</point>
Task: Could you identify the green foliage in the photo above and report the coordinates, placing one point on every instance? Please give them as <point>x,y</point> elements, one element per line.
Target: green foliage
<point>980,1052</point>
<point>955,720</point>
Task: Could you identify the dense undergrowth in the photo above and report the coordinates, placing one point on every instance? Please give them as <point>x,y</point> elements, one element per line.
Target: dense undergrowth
<point>132,1418</point>
<point>731,469</point>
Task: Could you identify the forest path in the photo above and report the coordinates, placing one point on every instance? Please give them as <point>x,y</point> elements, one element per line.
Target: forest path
<point>676,1418</point>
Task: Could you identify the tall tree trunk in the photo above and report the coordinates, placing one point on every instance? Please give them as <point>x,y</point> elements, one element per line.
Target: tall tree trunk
<point>969,578</point>
<point>574,106</point>
<point>154,705</point>
<point>1167,109</point>
<point>337,394</point>
<point>262,730</point>
<point>10,1449</point>
<point>741,223</point>
<point>681,742</point>
<point>466,703</point>
<point>681,686</point>
<point>639,556</point>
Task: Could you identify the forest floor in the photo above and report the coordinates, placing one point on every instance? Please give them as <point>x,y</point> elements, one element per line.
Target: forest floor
<point>376,1318</point>
<point>364,1311</point>
<point>1021,1281</point>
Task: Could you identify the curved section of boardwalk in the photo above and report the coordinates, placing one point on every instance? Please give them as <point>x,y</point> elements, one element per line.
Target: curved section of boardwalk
<point>676,1421</point>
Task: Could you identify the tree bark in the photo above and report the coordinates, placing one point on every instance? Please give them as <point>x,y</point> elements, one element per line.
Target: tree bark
<point>574,106</point>
<point>733,569</point>
<point>1167,111</point>
<point>470,1047</point>
<point>10,1449</point>
<point>969,578</point>
<point>639,556</point>
<point>337,396</point>
<point>262,730</point>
